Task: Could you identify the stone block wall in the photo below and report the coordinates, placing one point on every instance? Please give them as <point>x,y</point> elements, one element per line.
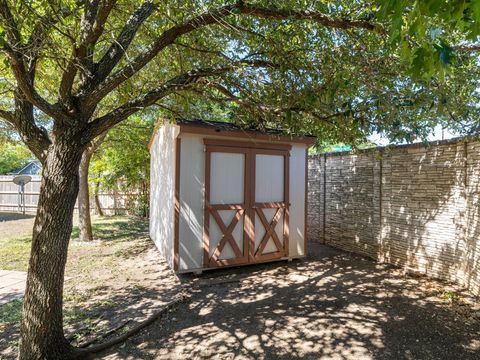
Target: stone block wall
<point>315,197</point>
<point>415,206</point>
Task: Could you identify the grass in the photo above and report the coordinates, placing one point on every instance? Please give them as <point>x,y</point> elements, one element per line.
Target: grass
<point>14,251</point>
<point>451,296</point>
<point>11,312</point>
<point>107,282</point>
<point>90,268</point>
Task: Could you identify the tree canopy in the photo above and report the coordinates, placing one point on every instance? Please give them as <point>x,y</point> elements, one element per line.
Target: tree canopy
<point>123,155</point>
<point>351,69</point>
<point>122,162</point>
<point>13,156</point>
<point>71,70</point>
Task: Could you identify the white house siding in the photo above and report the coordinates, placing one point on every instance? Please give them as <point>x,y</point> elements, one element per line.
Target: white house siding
<point>162,187</point>
<point>192,188</point>
<point>297,200</point>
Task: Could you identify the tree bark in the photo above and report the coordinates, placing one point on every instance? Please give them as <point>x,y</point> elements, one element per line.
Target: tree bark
<point>98,205</point>
<point>84,218</point>
<point>42,321</point>
<point>115,200</point>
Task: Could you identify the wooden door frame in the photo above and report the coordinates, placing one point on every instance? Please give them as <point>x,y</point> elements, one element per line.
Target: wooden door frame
<point>249,206</point>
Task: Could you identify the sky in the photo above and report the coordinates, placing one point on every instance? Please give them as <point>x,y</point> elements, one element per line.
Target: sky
<point>436,135</point>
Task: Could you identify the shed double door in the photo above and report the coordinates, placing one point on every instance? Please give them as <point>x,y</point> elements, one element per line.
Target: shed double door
<point>246,203</point>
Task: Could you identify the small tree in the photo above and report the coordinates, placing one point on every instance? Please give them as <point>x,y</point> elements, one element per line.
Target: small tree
<point>13,156</point>
<point>88,65</point>
<point>123,162</point>
<point>83,200</point>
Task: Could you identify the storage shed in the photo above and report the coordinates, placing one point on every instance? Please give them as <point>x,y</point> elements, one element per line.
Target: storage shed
<point>221,195</point>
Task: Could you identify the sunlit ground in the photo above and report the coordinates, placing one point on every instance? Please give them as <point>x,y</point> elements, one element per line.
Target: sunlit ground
<point>332,305</point>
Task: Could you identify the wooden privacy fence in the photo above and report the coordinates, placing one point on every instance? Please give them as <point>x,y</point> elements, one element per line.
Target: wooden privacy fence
<point>111,203</point>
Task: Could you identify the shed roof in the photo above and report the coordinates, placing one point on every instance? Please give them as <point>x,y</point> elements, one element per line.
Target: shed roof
<point>219,128</point>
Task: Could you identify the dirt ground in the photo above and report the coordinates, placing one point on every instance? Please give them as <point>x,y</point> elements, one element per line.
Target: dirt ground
<point>118,279</point>
<point>332,305</point>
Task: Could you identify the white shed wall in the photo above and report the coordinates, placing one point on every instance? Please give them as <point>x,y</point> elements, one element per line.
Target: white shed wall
<point>192,189</point>
<point>162,190</point>
<point>297,201</point>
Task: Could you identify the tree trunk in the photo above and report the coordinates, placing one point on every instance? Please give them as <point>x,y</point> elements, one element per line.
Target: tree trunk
<point>98,205</point>
<point>84,218</point>
<point>42,321</point>
<point>145,189</point>
<point>115,200</point>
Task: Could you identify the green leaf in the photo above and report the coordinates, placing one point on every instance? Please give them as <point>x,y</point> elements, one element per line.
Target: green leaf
<point>2,36</point>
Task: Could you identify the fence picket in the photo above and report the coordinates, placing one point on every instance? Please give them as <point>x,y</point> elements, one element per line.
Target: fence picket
<point>112,203</point>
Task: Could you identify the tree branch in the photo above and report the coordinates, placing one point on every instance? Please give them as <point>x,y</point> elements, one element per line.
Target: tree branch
<point>25,84</point>
<point>275,110</point>
<point>166,39</point>
<point>7,116</point>
<point>22,122</point>
<point>467,48</point>
<point>50,20</point>
<point>91,28</point>
<point>211,17</point>
<point>117,115</point>
<point>229,96</point>
<point>68,77</point>
<point>34,137</point>
<point>179,82</point>
<point>116,51</point>
<point>318,17</point>
<point>39,35</point>
<point>205,51</point>
<point>10,25</point>
<point>93,20</point>
<point>40,32</point>
<point>24,75</point>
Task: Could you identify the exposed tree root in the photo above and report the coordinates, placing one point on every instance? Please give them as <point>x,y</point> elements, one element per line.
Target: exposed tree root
<point>74,334</point>
<point>94,349</point>
<point>210,282</point>
<point>104,335</point>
